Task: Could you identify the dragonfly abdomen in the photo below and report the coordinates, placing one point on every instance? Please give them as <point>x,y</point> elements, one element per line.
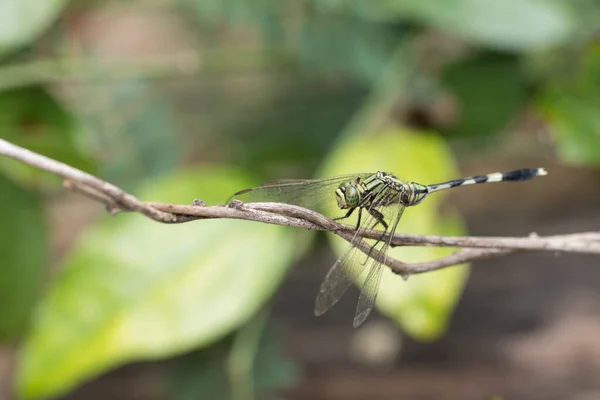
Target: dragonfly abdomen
<point>518,175</point>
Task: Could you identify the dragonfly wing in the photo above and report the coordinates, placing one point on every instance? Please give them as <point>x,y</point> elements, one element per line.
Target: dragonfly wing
<point>335,284</point>
<point>370,287</point>
<point>368,293</point>
<point>348,267</point>
<point>309,193</point>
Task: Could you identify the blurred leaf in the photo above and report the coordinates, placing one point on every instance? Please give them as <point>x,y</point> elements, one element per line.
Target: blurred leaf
<point>347,45</point>
<point>273,369</point>
<point>135,289</point>
<point>22,20</point>
<point>129,126</point>
<point>256,363</point>
<point>329,43</point>
<point>219,10</point>
<point>201,373</point>
<point>206,373</point>
<point>423,304</point>
<point>571,108</point>
<point>23,245</point>
<point>31,118</point>
<point>552,63</point>
<point>308,115</point>
<point>490,90</point>
<point>586,14</point>
<point>264,15</point>
<point>244,350</point>
<point>511,24</point>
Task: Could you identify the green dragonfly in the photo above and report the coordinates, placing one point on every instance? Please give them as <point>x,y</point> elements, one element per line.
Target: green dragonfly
<point>379,199</point>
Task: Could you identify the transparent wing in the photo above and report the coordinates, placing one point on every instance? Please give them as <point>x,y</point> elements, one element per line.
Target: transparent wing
<point>368,293</point>
<point>347,268</point>
<point>370,287</point>
<point>351,265</point>
<point>335,284</point>
<point>312,194</point>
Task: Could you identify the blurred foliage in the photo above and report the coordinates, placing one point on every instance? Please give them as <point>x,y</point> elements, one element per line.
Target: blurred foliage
<point>23,20</point>
<point>24,249</point>
<point>487,76</point>
<point>570,105</point>
<point>241,366</point>
<point>31,118</point>
<point>133,135</point>
<point>130,276</point>
<point>274,90</point>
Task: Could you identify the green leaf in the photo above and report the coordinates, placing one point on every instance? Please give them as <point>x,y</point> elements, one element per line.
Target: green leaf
<point>215,372</point>
<point>423,304</point>
<point>474,82</point>
<point>510,24</point>
<point>273,369</point>
<point>571,108</point>
<point>22,20</point>
<point>256,363</point>
<point>135,289</point>
<point>31,118</point>
<point>23,245</point>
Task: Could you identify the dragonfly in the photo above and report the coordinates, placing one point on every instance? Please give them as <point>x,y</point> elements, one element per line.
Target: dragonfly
<point>377,200</point>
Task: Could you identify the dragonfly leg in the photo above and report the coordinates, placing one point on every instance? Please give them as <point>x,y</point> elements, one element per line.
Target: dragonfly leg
<point>359,217</point>
<point>379,220</point>
<point>349,213</point>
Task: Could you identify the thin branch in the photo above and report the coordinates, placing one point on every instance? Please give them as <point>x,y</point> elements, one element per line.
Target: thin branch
<point>473,248</point>
<point>111,206</point>
<point>460,257</point>
<point>121,198</point>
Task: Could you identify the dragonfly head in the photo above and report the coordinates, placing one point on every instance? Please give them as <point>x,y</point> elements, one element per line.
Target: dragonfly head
<point>348,195</point>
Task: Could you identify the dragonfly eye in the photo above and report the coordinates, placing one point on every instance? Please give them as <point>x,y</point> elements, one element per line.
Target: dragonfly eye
<point>347,196</point>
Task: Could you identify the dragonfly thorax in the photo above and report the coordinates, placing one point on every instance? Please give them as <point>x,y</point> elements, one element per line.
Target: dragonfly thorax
<point>379,190</point>
<point>357,193</point>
